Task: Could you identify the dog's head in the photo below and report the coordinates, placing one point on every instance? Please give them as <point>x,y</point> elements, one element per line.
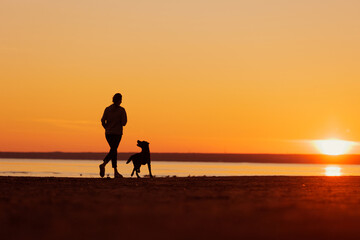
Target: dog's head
<point>142,144</point>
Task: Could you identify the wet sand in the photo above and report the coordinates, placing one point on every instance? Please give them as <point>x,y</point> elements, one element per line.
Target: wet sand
<point>180,208</point>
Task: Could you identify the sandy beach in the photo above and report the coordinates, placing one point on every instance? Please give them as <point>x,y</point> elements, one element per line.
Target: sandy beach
<point>180,208</point>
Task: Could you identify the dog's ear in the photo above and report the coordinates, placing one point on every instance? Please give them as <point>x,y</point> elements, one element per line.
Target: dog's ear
<point>138,141</point>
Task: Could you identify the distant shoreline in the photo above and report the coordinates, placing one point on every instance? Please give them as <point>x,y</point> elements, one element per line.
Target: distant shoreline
<point>195,157</point>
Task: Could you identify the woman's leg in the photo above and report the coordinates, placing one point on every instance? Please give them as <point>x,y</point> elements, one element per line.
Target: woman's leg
<point>113,141</point>
<point>114,147</point>
<point>109,139</point>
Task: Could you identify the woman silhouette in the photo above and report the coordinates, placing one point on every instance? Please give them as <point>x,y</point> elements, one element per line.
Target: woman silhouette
<point>113,120</point>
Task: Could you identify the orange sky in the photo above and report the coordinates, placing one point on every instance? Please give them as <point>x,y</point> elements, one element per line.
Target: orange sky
<point>196,76</point>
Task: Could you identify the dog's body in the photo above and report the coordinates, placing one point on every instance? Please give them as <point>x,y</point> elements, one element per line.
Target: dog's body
<point>141,158</point>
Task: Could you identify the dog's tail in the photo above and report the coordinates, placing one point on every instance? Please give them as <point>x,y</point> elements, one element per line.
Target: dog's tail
<point>130,159</point>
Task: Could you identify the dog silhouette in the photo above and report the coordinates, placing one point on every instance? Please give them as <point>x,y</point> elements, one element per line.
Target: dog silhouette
<point>141,158</point>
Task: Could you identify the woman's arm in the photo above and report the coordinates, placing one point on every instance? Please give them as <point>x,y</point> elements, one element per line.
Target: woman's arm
<point>123,118</point>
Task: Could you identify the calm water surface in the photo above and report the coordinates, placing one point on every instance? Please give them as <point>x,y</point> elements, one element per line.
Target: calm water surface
<point>89,168</point>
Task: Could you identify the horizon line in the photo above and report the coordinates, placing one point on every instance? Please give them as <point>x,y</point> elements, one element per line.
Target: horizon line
<point>216,153</point>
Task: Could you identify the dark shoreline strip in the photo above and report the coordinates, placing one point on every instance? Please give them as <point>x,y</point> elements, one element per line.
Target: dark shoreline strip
<point>196,157</point>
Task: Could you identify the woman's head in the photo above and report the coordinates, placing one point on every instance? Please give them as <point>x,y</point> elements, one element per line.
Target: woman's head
<point>117,98</point>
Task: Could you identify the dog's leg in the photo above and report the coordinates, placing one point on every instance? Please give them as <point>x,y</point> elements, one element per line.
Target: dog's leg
<point>130,159</point>
<point>149,166</point>
<point>137,173</point>
<point>133,172</point>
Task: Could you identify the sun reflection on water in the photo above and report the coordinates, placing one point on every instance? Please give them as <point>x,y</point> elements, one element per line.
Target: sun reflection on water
<point>333,171</point>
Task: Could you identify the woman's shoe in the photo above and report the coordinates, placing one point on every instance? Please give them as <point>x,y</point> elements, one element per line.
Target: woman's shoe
<point>102,170</point>
<point>118,175</point>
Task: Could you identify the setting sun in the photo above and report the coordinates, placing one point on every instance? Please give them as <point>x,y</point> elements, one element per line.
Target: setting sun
<point>333,146</point>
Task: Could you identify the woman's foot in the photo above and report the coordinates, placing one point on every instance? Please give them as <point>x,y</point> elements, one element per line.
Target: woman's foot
<point>102,170</point>
<point>117,174</point>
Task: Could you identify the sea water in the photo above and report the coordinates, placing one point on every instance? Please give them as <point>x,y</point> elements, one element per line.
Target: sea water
<point>90,168</point>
